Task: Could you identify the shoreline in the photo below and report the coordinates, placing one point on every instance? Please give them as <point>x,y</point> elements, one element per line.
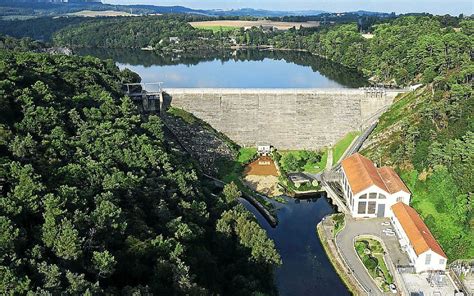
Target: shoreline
<point>336,261</point>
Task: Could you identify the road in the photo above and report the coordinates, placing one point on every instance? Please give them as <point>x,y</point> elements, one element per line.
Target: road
<point>345,243</point>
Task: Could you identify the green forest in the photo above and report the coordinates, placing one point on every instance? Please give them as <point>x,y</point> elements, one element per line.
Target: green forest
<point>138,32</point>
<point>94,201</point>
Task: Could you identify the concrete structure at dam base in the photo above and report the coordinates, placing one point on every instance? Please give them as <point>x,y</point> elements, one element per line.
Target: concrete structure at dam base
<point>287,118</point>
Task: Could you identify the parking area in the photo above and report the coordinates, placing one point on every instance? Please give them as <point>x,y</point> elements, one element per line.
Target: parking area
<point>381,228</point>
<point>378,227</point>
<point>428,284</point>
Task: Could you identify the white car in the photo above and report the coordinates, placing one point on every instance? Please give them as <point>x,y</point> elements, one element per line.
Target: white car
<point>393,288</point>
<point>390,233</point>
<point>385,223</point>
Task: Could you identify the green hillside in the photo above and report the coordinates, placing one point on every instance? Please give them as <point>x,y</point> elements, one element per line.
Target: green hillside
<point>93,201</point>
<point>428,135</point>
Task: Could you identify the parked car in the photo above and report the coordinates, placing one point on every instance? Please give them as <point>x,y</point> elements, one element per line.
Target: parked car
<point>393,288</point>
<point>390,233</point>
<point>385,223</point>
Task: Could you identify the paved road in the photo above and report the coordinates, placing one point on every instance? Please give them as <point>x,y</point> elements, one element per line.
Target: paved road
<point>356,145</point>
<point>345,242</point>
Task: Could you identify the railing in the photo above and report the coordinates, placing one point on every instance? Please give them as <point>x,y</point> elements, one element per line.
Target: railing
<point>457,268</point>
<point>405,268</point>
<point>144,86</point>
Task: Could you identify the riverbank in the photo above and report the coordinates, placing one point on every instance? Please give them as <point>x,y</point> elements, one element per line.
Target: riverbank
<point>325,232</point>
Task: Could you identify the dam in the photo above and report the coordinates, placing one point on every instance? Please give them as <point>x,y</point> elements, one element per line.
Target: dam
<point>285,118</point>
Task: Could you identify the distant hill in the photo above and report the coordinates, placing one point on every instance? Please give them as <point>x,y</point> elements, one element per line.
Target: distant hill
<point>59,7</point>
<point>53,1</point>
<point>262,12</point>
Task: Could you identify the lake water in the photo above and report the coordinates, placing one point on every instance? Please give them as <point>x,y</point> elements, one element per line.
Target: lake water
<point>234,69</point>
<point>306,270</point>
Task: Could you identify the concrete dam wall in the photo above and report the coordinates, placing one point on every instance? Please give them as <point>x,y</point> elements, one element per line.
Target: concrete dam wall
<point>284,118</point>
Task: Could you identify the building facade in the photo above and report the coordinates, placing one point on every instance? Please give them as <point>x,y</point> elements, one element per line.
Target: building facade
<point>370,191</point>
<point>416,239</point>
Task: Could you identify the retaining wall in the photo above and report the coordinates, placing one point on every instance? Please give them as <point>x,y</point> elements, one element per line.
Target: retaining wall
<point>284,118</point>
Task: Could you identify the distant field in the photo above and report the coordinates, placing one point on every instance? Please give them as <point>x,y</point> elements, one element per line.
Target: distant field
<point>216,28</point>
<point>247,24</point>
<point>91,13</point>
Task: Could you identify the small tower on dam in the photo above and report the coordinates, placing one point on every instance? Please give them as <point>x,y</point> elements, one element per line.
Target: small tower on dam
<point>147,101</point>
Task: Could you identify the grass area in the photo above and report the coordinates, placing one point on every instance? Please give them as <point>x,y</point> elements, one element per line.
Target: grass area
<point>339,223</point>
<point>436,198</point>
<point>246,155</point>
<point>216,28</point>
<point>371,252</point>
<point>396,112</point>
<point>342,145</point>
<point>304,162</point>
<point>186,116</point>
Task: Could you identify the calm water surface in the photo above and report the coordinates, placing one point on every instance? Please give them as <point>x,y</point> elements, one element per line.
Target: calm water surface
<point>306,270</point>
<point>238,69</point>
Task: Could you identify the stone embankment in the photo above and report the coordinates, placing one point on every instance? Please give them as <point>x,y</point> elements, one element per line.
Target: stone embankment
<point>286,118</point>
<point>207,148</point>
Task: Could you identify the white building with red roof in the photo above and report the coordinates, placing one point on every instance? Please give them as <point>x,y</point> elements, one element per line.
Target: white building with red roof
<point>422,248</point>
<point>370,191</point>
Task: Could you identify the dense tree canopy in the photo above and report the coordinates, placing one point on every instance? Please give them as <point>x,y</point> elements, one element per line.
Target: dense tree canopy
<point>94,201</point>
<point>406,49</point>
<point>428,133</point>
<point>158,32</point>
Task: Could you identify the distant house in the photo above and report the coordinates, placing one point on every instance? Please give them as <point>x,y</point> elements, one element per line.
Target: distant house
<point>423,250</point>
<point>264,149</point>
<point>370,191</point>
<point>174,40</point>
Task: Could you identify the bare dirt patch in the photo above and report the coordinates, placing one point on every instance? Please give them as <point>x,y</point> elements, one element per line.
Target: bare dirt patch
<point>267,185</point>
<point>263,166</point>
<point>262,176</point>
<point>249,24</point>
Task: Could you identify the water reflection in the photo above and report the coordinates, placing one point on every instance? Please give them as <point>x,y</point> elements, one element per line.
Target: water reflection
<point>244,68</point>
<point>306,269</point>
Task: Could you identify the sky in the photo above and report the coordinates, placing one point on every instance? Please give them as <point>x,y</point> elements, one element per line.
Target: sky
<point>453,7</point>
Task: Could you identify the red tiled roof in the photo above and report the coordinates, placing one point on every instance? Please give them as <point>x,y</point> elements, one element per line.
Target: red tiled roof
<point>392,180</point>
<point>418,233</point>
<point>362,173</point>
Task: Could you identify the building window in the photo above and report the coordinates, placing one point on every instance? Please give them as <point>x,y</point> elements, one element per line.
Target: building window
<point>399,199</point>
<point>428,259</point>
<point>373,195</point>
<point>361,208</point>
<point>371,207</point>
<point>363,196</point>
<point>382,196</point>
<point>441,261</point>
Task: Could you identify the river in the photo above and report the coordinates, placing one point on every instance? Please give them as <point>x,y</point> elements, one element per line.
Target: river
<point>306,270</point>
